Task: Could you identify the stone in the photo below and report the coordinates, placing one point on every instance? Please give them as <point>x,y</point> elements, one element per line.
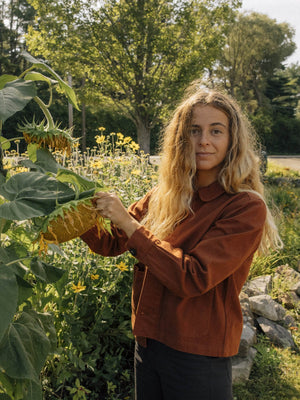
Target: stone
<point>290,321</point>
<point>265,306</point>
<point>259,285</point>
<point>278,335</point>
<point>287,300</point>
<point>296,288</point>
<point>289,275</point>
<point>241,367</point>
<point>248,339</point>
<point>248,316</point>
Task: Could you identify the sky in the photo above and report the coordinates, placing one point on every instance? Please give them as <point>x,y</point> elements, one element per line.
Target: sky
<point>283,11</point>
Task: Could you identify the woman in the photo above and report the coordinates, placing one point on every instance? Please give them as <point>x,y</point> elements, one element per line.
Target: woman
<point>194,236</point>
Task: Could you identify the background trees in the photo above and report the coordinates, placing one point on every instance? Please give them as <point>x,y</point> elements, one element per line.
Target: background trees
<point>131,60</point>
<point>251,69</point>
<point>138,55</point>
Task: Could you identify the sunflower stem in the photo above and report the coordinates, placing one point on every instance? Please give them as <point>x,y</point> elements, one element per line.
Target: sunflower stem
<point>44,108</point>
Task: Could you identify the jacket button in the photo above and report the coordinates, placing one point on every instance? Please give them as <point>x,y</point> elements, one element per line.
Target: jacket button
<point>132,251</point>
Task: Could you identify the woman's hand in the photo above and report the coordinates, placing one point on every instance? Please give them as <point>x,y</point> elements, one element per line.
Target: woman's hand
<point>110,206</point>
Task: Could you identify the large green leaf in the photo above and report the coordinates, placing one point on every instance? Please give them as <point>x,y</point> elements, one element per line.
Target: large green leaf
<point>46,272</point>
<point>81,184</point>
<point>24,290</point>
<point>8,298</point>
<point>41,160</point>
<point>67,90</point>
<point>6,78</point>
<point>14,97</point>
<point>11,255</point>
<point>32,194</point>
<point>24,348</point>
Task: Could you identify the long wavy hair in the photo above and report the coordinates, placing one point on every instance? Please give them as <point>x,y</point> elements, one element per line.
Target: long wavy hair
<point>170,201</point>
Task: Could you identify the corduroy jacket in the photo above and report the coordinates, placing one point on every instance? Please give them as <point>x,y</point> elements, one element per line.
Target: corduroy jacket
<point>186,288</point>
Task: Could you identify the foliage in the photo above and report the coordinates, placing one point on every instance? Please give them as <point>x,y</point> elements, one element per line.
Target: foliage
<point>274,375</point>
<point>90,304</point>
<point>27,334</point>
<point>251,69</point>
<point>140,54</point>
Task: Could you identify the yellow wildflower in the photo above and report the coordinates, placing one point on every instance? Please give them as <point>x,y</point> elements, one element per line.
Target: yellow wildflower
<point>127,140</point>
<point>120,136</point>
<point>122,266</point>
<point>101,129</point>
<point>135,172</point>
<point>94,277</point>
<point>78,288</point>
<point>134,146</point>
<point>100,139</point>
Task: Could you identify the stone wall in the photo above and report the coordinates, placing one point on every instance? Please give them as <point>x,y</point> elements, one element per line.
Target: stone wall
<point>262,314</point>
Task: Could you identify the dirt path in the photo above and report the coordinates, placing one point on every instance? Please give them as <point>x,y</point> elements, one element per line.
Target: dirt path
<point>292,162</point>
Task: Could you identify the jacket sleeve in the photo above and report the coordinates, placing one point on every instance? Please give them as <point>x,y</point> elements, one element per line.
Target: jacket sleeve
<point>114,244</point>
<point>226,246</point>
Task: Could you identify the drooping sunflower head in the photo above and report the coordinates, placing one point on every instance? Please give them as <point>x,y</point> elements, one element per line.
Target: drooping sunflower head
<point>45,137</point>
<point>69,221</point>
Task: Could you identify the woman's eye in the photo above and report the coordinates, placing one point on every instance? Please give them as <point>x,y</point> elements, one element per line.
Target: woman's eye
<point>216,131</point>
<point>195,132</point>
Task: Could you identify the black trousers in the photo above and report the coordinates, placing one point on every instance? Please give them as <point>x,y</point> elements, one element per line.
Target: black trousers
<point>162,373</point>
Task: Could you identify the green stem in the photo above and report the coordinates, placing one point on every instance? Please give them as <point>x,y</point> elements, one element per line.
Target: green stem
<point>44,108</point>
<point>20,259</point>
<point>25,72</point>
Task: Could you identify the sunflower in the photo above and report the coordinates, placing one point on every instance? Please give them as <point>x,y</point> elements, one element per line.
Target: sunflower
<point>44,136</point>
<point>69,221</point>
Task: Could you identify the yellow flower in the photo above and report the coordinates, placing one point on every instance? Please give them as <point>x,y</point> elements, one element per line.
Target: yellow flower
<point>122,266</point>
<point>78,288</point>
<point>134,146</point>
<point>127,140</point>
<point>100,139</point>
<point>135,172</point>
<point>94,277</point>
<point>101,129</point>
<point>120,136</point>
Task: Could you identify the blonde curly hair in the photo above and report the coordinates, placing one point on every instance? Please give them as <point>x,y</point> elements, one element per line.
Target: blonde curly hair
<point>171,199</point>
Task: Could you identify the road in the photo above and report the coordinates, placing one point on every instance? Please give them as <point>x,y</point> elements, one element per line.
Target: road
<point>292,162</point>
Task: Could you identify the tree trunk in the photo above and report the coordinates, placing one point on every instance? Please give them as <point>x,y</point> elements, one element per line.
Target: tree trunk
<point>143,134</point>
<point>70,107</point>
<point>83,121</point>
<point>83,127</point>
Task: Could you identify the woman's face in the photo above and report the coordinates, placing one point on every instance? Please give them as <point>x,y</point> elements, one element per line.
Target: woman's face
<point>210,138</point>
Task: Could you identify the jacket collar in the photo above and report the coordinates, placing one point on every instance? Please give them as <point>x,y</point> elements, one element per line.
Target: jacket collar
<point>211,191</point>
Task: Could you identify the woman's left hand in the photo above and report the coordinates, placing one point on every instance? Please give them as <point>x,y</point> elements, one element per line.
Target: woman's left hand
<point>110,206</point>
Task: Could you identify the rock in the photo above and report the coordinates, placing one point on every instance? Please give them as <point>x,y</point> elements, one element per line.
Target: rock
<point>259,285</point>
<point>241,367</point>
<point>287,300</point>
<point>290,321</point>
<point>288,274</point>
<point>296,288</point>
<point>248,316</point>
<point>276,333</point>
<point>265,306</point>
<point>248,339</point>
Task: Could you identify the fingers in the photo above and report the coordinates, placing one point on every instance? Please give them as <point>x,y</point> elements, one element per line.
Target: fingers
<point>108,205</point>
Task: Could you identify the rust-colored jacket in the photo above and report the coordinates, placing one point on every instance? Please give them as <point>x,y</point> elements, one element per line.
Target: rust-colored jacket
<point>186,288</point>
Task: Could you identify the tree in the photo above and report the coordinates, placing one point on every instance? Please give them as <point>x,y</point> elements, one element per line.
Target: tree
<point>15,16</point>
<point>139,54</point>
<point>256,47</point>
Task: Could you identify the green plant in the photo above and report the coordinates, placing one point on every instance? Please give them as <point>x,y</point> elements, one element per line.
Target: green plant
<point>27,333</point>
<point>273,376</point>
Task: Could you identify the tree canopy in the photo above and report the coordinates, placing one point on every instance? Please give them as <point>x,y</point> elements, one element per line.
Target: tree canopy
<point>138,54</point>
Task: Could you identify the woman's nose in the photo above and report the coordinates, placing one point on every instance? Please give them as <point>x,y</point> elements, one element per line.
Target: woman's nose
<point>203,139</point>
